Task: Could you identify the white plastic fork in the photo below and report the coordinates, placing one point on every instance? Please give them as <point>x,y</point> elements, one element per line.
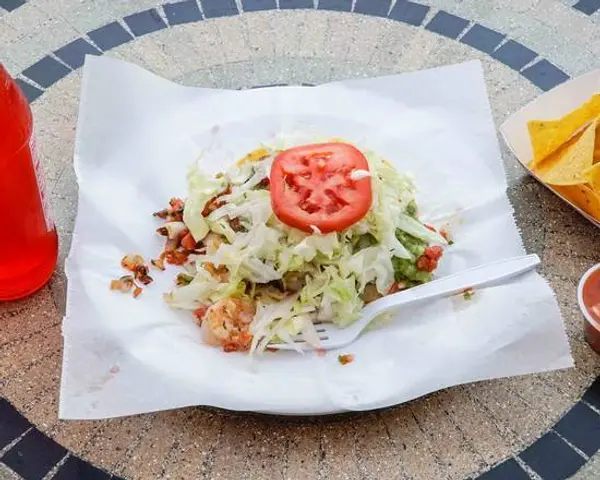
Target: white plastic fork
<point>332,337</point>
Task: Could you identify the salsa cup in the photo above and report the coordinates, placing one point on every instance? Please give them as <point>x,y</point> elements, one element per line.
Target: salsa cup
<point>592,326</point>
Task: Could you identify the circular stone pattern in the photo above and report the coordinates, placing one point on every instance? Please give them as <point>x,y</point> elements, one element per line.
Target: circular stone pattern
<point>538,426</point>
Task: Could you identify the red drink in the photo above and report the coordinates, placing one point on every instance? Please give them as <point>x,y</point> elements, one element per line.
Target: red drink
<point>28,240</point>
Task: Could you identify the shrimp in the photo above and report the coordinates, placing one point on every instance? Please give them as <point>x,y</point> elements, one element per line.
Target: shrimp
<point>226,324</point>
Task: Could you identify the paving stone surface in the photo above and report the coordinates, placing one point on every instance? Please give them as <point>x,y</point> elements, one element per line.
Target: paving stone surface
<point>540,426</point>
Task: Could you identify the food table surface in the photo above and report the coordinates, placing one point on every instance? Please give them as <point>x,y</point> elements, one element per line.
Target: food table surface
<point>538,426</point>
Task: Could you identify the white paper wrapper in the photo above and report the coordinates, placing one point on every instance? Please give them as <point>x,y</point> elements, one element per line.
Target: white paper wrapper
<point>136,137</point>
<point>551,105</point>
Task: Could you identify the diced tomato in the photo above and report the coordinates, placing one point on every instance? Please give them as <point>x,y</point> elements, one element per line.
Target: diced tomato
<point>435,252</point>
<point>311,186</point>
<point>428,262</point>
<point>188,242</point>
<point>396,287</point>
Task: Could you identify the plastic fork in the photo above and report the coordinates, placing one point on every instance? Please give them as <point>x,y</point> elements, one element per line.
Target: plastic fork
<point>332,337</point>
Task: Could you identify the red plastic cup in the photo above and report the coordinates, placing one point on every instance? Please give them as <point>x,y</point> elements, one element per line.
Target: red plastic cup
<point>590,280</point>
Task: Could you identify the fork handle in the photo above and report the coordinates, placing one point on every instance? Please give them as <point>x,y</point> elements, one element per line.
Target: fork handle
<point>453,284</point>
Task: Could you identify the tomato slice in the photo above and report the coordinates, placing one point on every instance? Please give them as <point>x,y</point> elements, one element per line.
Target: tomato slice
<point>312,187</point>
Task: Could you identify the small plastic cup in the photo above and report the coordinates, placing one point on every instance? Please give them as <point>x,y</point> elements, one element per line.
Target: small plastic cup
<point>592,326</point>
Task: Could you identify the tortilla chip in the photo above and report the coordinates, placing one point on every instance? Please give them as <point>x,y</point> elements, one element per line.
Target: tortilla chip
<point>568,164</point>
<point>547,136</point>
<point>592,175</point>
<point>582,196</point>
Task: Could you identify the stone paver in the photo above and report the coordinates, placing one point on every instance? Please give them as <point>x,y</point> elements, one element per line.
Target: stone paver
<point>456,433</point>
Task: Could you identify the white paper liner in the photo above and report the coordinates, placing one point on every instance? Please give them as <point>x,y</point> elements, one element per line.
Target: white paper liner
<point>137,135</point>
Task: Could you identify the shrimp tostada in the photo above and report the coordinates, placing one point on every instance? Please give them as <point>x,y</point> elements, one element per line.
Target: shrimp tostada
<point>286,239</point>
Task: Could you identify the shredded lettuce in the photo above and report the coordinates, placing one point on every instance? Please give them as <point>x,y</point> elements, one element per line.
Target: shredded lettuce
<point>201,188</point>
<point>312,245</point>
<point>415,228</point>
<point>334,268</point>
